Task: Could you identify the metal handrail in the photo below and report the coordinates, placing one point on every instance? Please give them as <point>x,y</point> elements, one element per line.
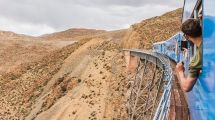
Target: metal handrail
<point>163,106</point>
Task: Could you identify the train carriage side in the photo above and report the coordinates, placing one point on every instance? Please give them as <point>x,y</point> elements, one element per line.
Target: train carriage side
<point>207,80</point>
<point>201,98</point>
<point>171,47</point>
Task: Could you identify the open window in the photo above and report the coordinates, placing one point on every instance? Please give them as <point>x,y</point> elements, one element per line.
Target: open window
<point>188,9</point>
<point>197,13</point>
<point>192,9</point>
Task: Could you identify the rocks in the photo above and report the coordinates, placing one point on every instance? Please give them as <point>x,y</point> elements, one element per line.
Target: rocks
<point>79,80</point>
<point>74,112</point>
<point>30,78</point>
<point>103,77</point>
<point>93,116</point>
<point>105,83</point>
<point>84,96</point>
<point>90,75</point>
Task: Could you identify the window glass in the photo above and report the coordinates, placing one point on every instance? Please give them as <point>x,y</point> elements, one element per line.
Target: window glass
<point>188,9</point>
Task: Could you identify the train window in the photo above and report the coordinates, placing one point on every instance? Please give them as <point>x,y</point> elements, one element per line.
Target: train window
<point>198,15</point>
<point>199,12</point>
<point>192,9</point>
<point>189,6</point>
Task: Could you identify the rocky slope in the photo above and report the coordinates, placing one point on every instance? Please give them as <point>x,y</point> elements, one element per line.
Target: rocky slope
<point>143,34</point>
<point>75,74</point>
<point>71,34</point>
<point>39,74</point>
<point>7,35</point>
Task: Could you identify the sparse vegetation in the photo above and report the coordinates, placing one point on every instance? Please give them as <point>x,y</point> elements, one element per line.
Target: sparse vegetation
<point>38,72</point>
<point>142,35</point>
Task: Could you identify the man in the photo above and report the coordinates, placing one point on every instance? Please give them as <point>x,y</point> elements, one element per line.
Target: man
<point>193,32</point>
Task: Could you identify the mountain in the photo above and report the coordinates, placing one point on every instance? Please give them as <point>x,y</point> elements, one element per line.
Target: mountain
<point>71,34</point>
<point>7,35</point>
<point>53,77</point>
<point>142,35</point>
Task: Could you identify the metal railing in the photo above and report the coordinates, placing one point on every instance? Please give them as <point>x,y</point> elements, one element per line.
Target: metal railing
<point>163,62</point>
<point>163,107</point>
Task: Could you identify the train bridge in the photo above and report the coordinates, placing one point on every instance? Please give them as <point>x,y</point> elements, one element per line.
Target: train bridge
<point>154,92</point>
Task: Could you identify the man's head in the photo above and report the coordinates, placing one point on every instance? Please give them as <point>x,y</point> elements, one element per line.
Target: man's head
<point>192,29</point>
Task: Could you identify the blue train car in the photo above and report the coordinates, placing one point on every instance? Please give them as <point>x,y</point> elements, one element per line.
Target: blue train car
<point>201,99</point>
<point>158,47</point>
<point>174,48</point>
<point>170,47</point>
<point>204,90</point>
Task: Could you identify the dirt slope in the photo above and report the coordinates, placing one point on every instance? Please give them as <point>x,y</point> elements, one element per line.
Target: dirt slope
<point>143,34</point>
<point>77,74</point>
<point>88,89</point>
<point>40,73</point>
<point>71,34</point>
<point>16,50</point>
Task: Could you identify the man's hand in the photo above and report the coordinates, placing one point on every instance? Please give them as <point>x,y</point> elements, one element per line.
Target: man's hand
<point>186,83</point>
<point>180,67</point>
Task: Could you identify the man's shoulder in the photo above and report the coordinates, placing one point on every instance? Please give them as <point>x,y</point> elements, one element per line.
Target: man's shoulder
<point>196,63</point>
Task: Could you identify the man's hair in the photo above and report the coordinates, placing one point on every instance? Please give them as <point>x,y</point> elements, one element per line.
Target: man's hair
<point>192,27</point>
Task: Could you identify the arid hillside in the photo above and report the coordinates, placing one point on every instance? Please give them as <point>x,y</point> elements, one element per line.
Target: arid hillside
<point>77,74</point>
<point>36,74</point>
<point>16,49</point>
<point>7,35</point>
<point>143,34</point>
<point>71,34</point>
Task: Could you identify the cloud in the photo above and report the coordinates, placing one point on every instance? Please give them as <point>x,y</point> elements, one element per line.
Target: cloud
<point>134,3</point>
<point>24,28</point>
<point>57,15</point>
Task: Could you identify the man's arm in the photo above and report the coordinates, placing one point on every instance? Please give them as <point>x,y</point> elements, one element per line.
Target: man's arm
<point>187,83</point>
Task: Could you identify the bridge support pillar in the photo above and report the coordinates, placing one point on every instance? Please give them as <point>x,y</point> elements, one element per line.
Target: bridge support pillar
<point>131,62</point>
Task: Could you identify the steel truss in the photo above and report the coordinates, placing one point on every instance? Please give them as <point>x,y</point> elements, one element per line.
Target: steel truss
<point>150,87</point>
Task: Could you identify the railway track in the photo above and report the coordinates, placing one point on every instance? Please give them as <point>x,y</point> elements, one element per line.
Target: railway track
<point>155,93</point>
